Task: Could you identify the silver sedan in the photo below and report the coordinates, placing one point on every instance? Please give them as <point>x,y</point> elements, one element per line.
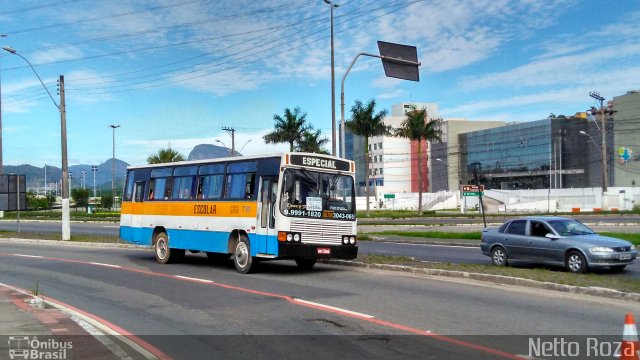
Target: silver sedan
<point>555,240</point>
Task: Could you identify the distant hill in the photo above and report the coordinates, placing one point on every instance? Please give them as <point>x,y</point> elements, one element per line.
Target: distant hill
<point>36,175</point>
<point>208,151</point>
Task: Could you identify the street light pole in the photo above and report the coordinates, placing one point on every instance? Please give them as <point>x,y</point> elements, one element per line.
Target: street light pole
<point>342,126</point>
<point>66,218</point>
<point>113,162</point>
<point>333,85</point>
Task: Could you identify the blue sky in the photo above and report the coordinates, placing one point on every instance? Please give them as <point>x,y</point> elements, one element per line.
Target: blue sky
<point>175,72</point>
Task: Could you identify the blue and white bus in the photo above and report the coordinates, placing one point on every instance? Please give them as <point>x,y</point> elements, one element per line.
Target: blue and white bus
<point>298,206</point>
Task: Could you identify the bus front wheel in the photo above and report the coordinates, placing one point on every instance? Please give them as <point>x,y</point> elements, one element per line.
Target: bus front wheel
<point>242,258</point>
<point>165,254</point>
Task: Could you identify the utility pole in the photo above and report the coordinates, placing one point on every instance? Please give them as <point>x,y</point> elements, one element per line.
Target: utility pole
<point>113,163</point>
<point>231,132</point>
<point>66,216</point>
<point>333,86</point>
<point>1,152</point>
<point>603,129</point>
<point>94,169</point>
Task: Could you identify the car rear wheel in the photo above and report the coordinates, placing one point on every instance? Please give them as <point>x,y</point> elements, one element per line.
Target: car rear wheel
<point>576,263</point>
<point>499,256</point>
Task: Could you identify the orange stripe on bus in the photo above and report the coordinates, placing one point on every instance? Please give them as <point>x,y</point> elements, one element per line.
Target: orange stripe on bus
<point>191,208</point>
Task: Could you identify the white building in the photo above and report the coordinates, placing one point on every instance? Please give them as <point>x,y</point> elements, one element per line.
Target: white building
<point>393,160</point>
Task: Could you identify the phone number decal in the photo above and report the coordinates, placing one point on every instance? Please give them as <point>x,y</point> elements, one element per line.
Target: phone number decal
<point>305,213</point>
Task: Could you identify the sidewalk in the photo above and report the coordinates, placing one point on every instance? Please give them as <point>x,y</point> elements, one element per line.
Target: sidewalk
<point>52,332</point>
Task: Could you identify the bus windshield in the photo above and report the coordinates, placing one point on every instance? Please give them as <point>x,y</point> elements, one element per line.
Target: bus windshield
<point>313,194</point>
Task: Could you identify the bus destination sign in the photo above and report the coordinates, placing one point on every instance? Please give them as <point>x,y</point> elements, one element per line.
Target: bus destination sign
<point>319,162</point>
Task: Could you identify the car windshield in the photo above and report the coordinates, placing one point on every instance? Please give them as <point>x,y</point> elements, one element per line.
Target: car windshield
<point>315,194</point>
<point>570,227</point>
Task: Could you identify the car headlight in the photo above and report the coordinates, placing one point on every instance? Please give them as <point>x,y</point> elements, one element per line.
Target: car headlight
<point>633,247</point>
<point>600,249</point>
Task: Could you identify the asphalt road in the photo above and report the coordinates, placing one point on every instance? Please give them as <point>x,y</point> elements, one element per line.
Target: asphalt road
<point>391,247</point>
<point>184,309</point>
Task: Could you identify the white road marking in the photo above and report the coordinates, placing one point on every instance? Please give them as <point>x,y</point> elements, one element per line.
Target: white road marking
<point>333,308</point>
<point>107,265</point>
<point>29,256</point>
<point>194,279</point>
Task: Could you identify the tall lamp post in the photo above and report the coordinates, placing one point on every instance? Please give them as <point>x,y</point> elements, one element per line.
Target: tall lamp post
<point>66,220</point>
<point>245,144</point>
<point>333,85</point>
<point>113,162</point>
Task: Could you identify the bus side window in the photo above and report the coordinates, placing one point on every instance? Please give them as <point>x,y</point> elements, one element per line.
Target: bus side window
<point>128,191</point>
<point>139,191</point>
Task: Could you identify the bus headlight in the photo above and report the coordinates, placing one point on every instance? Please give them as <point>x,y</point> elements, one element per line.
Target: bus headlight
<point>352,240</point>
<point>289,237</point>
<point>296,237</point>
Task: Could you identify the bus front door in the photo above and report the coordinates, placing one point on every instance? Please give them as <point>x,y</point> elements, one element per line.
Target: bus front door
<point>268,242</point>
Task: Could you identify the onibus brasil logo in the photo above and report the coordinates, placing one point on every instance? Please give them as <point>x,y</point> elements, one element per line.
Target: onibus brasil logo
<point>24,347</point>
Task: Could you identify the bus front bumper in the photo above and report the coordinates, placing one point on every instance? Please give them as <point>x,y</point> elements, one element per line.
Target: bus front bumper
<point>289,250</point>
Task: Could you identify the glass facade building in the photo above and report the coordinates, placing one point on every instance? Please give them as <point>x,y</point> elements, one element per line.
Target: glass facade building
<point>549,153</point>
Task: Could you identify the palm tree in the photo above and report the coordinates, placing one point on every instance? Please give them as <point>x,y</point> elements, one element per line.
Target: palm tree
<point>165,156</point>
<point>365,122</point>
<point>311,142</point>
<point>418,127</point>
<point>289,128</point>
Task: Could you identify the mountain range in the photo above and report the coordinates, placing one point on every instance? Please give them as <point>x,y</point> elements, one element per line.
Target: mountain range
<point>36,175</point>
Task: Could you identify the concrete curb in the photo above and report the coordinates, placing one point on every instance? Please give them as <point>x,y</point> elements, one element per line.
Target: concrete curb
<point>499,279</point>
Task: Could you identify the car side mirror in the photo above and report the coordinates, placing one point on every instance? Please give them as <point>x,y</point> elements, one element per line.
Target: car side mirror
<point>552,236</point>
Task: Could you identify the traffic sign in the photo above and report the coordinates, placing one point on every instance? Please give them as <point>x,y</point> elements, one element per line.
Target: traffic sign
<point>389,196</point>
<point>472,190</point>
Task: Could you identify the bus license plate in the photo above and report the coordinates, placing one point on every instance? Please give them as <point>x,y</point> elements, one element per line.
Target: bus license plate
<point>324,251</point>
<point>625,257</point>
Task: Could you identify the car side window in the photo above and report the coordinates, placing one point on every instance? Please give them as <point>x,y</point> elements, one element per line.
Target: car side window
<point>539,229</point>
<point>517,227</point>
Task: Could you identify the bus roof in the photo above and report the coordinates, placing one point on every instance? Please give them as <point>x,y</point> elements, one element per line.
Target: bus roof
<point>227,159</point>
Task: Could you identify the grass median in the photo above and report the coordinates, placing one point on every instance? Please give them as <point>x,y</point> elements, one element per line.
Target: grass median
<point>557,275</point>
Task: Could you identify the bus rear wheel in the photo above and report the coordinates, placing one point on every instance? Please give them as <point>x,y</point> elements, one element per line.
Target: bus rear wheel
<point>164,253</point>
<point>305,263</point>
<point>242,258</point>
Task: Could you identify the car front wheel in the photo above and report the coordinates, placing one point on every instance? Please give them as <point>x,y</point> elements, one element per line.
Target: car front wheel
<point>499,256</point>
<point>576,263</point>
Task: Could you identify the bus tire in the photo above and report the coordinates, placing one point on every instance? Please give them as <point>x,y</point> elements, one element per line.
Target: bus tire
<point>242,258</point>
<point>164,253</point>
<point>305,264</point>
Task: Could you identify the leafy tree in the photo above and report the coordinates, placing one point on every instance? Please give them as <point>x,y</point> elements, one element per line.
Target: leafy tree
<point>288,129</point>
<point>165,156</point>
<point>33,202</point>
<point>106,201</point>
<point>418,127</point>
<point>80,197</point>
<point>311,142</point>
<point>367,123</point>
